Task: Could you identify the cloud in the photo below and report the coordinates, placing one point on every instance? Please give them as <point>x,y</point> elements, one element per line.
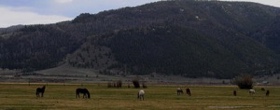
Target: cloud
<point>63,1</point>
<point>11,17</point>
<point>51,11</point>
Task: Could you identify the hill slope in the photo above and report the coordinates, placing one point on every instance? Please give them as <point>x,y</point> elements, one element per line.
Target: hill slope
<point>188,38</point>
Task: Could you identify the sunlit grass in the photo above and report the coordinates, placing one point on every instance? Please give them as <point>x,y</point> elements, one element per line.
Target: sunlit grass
<point>58,96</point>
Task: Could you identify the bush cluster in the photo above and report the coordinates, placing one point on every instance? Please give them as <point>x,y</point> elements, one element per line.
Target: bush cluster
<point>244,81</point>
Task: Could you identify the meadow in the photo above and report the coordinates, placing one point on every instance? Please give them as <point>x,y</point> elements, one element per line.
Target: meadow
<point>157,97</point>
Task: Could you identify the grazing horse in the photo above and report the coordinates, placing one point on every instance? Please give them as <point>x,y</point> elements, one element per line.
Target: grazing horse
<point>234,93</point>
<point>179,91</point>
<point>40,90</point>
<point>83,91</point>
<point>141,94</point>
<point>188,91</point>
<point>252,91</point>
<point>267,93</point>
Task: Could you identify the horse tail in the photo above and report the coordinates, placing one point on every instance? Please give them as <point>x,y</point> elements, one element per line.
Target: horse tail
<point>36,92</point>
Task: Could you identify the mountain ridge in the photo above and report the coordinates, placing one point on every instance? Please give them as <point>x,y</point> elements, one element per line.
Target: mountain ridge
<point>198,39</point>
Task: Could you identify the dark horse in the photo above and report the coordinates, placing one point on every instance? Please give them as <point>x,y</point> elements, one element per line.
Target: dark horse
<point>234,93</point>
<point>40,90</point>
<point>267,93</point>
<point>83,91</point>
<point>188,91</point>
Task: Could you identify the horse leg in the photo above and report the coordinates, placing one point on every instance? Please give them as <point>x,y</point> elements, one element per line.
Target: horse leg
<point>84,95</point>
<point>77,95</point>
<point>189,93</point>
<point>142,97</point>
<point>38,93</point>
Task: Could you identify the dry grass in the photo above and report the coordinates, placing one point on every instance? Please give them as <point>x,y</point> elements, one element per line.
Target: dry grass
<point>58,96</point>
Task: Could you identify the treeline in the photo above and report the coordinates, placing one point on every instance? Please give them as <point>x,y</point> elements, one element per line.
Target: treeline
<point>35,47</point>
<point>172,49</point>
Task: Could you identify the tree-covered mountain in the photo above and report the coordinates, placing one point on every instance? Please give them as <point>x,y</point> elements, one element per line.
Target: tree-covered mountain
<point>182,37</point>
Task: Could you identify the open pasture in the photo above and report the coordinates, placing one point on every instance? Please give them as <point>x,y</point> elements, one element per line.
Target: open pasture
<point>157,97</point>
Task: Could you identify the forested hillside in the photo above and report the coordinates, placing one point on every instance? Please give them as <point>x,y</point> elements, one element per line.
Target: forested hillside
<point>180,37</point>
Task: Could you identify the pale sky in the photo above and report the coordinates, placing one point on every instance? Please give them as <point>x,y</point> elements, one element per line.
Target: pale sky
<point>14,12</point>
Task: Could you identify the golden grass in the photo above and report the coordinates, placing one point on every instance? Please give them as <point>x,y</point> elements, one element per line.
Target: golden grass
<point>60,97</point>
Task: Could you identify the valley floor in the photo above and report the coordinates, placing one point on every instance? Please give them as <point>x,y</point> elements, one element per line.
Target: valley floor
<point>66,74</point>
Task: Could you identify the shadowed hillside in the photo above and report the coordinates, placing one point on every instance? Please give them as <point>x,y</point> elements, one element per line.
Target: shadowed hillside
<point>187,38</point>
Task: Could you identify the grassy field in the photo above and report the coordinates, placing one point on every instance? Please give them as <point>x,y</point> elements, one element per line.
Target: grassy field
<point>157,97</point>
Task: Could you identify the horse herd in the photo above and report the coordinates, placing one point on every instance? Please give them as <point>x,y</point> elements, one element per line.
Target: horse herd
<point>180,91</point>
<point>41,90</point>
<point>253,91</point>
<point>140,94</point>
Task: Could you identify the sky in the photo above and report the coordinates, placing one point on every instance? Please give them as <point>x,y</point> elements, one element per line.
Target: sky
<point>26,12</point>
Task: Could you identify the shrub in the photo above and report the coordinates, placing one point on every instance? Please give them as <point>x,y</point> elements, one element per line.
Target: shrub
<point>109,85</point>
<point>136,83</point>
<point>119,83</point>
<point>244,81</point>
<point>144,85</point>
